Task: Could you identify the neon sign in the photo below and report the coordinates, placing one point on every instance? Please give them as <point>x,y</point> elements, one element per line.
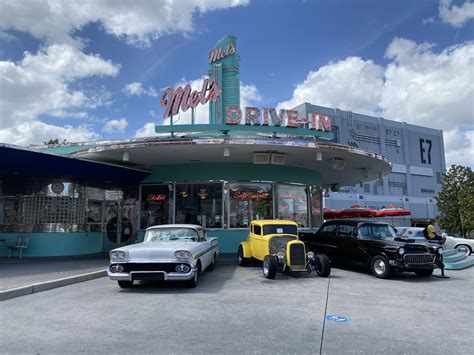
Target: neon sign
<point>316,121</point>
<point>156,197</point>
<point>220,53</point>
<point>241,195</point>
<point>184,98</point>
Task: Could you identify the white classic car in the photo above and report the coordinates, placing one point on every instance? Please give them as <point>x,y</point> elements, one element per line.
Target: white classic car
<point>462,245</point>
<point>178,252</point>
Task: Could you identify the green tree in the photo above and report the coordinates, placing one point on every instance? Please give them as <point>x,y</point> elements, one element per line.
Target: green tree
<point>456,201</point>
<point>52,142</point>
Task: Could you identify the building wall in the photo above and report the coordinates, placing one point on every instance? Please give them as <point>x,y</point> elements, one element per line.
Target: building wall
<point>417,154</point>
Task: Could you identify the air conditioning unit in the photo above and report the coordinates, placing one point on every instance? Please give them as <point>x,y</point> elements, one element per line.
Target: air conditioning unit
<point>338,164</point>
<point>278,158</point>
<point>261,158</point>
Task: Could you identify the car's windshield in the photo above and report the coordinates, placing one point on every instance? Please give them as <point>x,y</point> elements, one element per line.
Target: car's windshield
<point>280,229</point>
<point>170,234</point>
<point>376,231</point>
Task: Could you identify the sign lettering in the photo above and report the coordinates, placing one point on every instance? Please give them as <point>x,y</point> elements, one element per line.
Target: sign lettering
<point>220,53</point>
<point>184,98</point>
<point>252,117</point>
<point>156,197</point>
<point>243,195</point>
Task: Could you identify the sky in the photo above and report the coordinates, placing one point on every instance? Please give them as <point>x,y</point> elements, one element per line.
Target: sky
<point>95,69</point>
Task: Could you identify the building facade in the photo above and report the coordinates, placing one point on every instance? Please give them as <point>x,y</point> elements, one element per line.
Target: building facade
<point>416,153</point>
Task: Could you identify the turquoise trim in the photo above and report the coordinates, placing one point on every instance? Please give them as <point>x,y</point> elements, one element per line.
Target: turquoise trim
<point>232,171</point>
<point>194,128</point>
<point>66,150</point>
<point>56,244</point>
<point>229,240</point>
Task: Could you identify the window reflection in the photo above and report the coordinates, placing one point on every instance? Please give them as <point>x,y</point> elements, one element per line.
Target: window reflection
<point>154,206</point>
<point>249,201</point>
<point>293,204</point>
<point>199,204</point>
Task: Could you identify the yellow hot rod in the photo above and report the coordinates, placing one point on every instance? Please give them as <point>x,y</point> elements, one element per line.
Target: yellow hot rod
<point>276,244</point>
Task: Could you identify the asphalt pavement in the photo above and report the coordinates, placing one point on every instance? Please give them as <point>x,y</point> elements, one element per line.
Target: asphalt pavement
<point>235,310</point>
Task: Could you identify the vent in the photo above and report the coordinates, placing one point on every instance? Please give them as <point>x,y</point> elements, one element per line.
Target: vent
<point>261,158</point>
<point>338,164</point>
<point>278,159</point>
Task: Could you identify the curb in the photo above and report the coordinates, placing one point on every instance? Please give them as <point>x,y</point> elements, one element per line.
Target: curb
<point>48,285</point>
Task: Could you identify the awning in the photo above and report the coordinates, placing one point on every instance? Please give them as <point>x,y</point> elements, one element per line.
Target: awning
<point>24,163</point>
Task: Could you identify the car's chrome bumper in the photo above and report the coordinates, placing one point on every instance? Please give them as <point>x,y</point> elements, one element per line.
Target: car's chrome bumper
<point>167,276</point>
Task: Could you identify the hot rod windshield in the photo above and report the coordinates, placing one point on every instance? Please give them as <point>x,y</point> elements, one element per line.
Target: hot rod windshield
<point>376,231</point>
<point>170,234</point>
<point>280,229</point>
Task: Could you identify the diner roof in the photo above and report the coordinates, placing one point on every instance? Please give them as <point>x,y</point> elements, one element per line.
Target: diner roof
<point>335,163</point>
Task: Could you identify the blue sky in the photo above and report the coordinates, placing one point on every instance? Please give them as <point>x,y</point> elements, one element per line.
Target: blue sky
<point>95,69</point>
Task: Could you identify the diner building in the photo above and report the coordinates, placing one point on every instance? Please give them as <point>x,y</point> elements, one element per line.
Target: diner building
<point>244,164</point>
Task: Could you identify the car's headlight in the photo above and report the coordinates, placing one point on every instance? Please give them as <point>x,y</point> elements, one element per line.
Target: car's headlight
<point>401,251</point>
<point>183,254</point>
<point>281,255</point>
<point>440,251</point>
<point>310,255</point>
<point>118,255</point>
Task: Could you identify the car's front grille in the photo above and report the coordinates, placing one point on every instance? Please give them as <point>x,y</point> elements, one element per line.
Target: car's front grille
<point>297,255</point>
<point>419,258</point>
<point>415,248</point>
<point>166,267</point>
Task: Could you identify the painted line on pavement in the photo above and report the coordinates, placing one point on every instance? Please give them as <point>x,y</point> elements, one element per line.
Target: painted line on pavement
<point>48,285</point>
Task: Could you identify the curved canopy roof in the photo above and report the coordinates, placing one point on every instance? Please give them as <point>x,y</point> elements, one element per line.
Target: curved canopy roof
<point>336,163</point>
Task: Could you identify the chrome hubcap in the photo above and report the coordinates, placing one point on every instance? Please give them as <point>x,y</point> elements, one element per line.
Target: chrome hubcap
<point>379,267</point>
<point>463,249</point>
<point>265,268</point>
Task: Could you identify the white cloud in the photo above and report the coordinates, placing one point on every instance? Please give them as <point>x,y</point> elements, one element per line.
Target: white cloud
<point>459,146</point>
<point>138,22</point>
<point>36,132</point>
<point>41,84</point>
<point>148,130</point>
<point>419,86</point>
<point>350,84</point>
<point>456,16</point>
<point>427,88</point>
<point>115,126</point>
<point>428,20</point>
<point>136,89</point>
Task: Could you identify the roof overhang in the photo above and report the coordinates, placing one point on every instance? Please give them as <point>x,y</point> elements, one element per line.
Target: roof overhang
<point>24,163</point>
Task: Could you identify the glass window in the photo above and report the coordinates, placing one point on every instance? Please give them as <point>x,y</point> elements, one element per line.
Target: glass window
<point>316,217</point>
<point>199,204</point>
<point>170,234</point>
<point>280,229</point>
<point>345,230</point>
<point>94,211</point>
<point>293,204</point>
<point>257,230</point>
<point>155,205</point>
<point>11,211</point>
<point>249,201</point>
<point>330,228</point>
<point>376,231</point>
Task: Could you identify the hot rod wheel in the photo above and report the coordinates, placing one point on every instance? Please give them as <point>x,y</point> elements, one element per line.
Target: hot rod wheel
<point>270,264</point>
<point>323,265</point>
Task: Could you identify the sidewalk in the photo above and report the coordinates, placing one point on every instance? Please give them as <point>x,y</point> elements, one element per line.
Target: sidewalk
<point>28,275</point>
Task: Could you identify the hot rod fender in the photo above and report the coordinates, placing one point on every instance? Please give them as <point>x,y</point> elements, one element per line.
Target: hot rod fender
<point>246,248</point>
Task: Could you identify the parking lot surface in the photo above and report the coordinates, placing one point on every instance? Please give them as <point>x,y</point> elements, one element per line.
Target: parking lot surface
<point>235,310</point>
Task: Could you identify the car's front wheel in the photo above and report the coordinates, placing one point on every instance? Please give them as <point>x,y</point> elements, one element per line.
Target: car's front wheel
<point>270,264</point>
<point>240,254</point>
<point>424,272</point>
<point>125,284</point>
<point>380,267</point>
<point>194,281</point>
<point>212,265</point>
<point>323,265</point>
